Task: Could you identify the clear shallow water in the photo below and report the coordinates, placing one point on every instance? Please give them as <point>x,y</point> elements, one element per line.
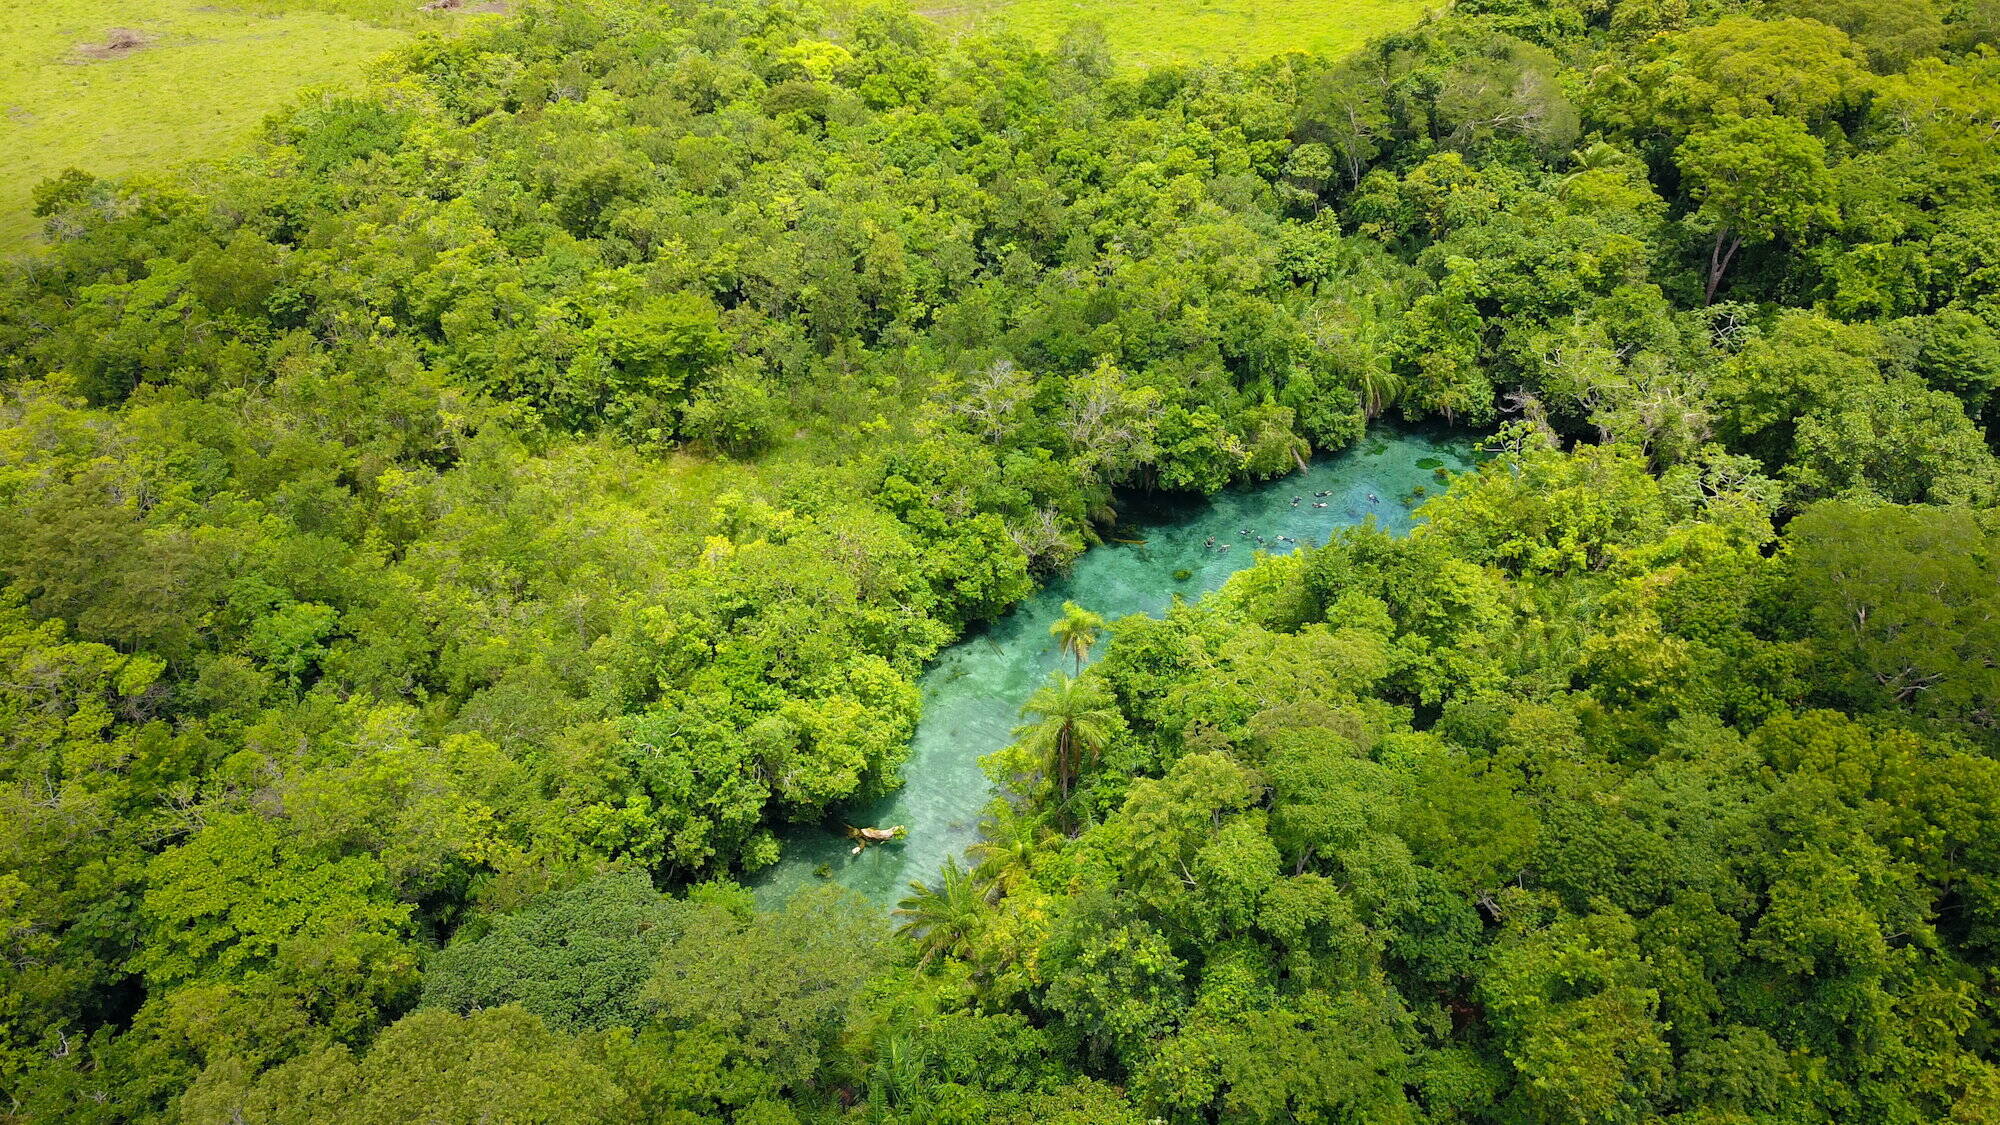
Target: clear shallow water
<point>972,694</point>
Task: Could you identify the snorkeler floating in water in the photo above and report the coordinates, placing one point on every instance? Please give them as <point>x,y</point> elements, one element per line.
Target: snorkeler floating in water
<point>1374,499</point>
<point>1320,505</point>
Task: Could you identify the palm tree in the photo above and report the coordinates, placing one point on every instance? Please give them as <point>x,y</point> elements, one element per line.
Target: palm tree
<point>1379,388</point>
<point>1076,717</point>
<point>942,919</point>
<point>1006,848</point>
<point>1076,632</point>
<point>898,1076</point>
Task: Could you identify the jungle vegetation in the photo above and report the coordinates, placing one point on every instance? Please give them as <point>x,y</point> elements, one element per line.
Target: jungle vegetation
<point>440,549</point>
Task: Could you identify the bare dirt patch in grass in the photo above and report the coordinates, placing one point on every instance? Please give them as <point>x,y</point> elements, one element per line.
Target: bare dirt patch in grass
<point>118,43</point>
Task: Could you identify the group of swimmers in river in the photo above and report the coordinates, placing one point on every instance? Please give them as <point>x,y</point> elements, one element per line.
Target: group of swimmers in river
<point>1248,533</point>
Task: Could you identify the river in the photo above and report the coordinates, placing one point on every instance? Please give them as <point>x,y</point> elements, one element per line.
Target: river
<point>972,694</point>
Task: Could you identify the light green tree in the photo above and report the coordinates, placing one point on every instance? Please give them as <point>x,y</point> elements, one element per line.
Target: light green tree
<point>942,918</point>
<point>1074,719</point>
<point>1755,180</point>
<point>1077,632</point>
<point>500,1064</point>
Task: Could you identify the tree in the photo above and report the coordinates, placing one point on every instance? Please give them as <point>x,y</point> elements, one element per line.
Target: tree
<point>1006,849</point>
<point>1344,108</point>
<point>1737,66</point>
<point>942,919</point>
<point>1755,180</point>
<point>576,958</point>
<point>772,991</point>
<point>1378,385</point>
<point>1074,719</point>
<point>1076,632</point>
<point>1905,607</point>
<point>1437,349</point>
<point>500,1064</point>
<point>1576,1017</point>
<point>1824,405</point>
<point>1109,422</point>
<point>1197,453</point>
<point>242,901</point>
<point>1894,32</point>
<point>1510,89</point>
<point>1273,447</point>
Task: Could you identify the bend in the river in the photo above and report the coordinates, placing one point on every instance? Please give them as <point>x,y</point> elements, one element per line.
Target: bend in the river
<point>973,693</point>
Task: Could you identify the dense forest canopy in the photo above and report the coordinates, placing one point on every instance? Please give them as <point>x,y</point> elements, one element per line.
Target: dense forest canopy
<point>441,550</point>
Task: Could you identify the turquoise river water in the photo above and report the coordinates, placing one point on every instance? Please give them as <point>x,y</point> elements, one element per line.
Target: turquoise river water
<point>972,694</point>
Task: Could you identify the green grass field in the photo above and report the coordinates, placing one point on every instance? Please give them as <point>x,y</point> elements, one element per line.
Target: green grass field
<point>1145,32</point>
<point>206,74</point>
